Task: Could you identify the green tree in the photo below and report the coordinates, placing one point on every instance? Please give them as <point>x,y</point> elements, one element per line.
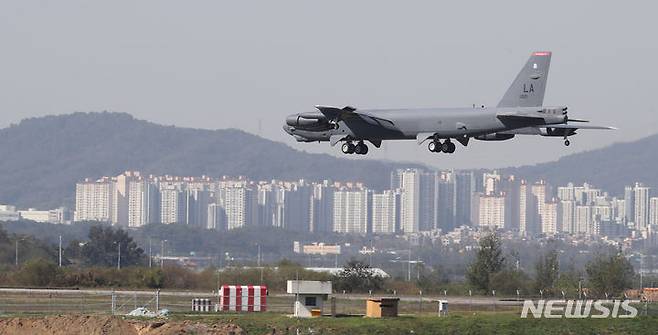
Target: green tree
<point>547,271</point>
<point>357,276</point>
<point>102,249</point>
<point>488,260</point>
<point>508,281</point>
<point>610,274</point>
<point>37,272</point>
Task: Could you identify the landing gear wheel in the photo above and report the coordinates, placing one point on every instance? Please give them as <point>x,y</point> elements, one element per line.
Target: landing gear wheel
<point>445,147</point>
<point>347,148</point>
<point>361,149</point>
<point>434,146</point>
<point>566,142</point>
<point>451,147</point>
<point>365,149</point>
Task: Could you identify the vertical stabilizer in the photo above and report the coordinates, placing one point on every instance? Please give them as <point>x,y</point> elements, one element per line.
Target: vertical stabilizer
<point>528,88</point>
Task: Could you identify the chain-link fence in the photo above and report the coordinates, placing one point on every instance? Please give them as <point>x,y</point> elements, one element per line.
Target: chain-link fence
<point>120,302</point>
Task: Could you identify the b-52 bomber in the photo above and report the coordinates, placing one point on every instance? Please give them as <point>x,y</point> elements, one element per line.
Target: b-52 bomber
<point>520,112</point>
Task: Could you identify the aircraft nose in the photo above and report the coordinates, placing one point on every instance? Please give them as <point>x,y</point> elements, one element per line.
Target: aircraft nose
<point>287,129</point>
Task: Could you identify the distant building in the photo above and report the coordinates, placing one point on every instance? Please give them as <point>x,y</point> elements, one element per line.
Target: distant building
<point>566,216</point>
<point>9,213</point>
<point>143,203</point>
<point>93,200</point>
<point>418,199</point>
<point>172,203</point>
<point>351,211</point>
<point>322,208</point>
<point>316,249</point>
<point>56,216</point>
<point>239,203</point>
<point>384,212</point>
<point>464,183</point>
<point>549,223</point>
<point>653,211</point>
<point>641,206</point>
<point>491,211</point>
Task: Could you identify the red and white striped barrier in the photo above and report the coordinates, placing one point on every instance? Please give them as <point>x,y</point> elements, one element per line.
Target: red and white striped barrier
<point>243,298</point>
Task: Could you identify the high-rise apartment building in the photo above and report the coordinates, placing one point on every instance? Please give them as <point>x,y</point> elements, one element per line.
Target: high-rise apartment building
<point>641,195</point>
<point>93,200</point>
<point>384,212</point>
<point>491,211</point>
<point>351,211</point>
<point>322,207</point>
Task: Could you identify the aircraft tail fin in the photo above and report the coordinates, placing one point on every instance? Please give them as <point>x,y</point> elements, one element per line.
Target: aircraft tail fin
<point>527,90</point>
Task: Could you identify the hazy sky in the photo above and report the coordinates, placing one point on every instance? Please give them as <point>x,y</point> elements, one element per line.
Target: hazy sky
<point>248,64</point>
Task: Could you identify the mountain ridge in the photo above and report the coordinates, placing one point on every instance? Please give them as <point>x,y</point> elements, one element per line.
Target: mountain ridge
<point>47,155</point>
<point>43,158</point>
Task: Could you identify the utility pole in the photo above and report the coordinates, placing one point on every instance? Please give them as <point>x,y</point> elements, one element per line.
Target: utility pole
<point>119,258</point>
<point>641,271</point>
<point>258,258</point>
<point>60,251</point>
<point>150,254</point>
<point>16,252</point>
<point>409,262</point>
<point>162,250</point>
<point>370,253</point>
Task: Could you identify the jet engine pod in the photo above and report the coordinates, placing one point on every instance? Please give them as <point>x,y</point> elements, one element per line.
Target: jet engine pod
<point>494,137</point>
<point>308,121</point>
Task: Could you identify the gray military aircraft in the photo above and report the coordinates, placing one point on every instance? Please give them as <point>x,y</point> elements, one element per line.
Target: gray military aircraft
<point>520,112</point>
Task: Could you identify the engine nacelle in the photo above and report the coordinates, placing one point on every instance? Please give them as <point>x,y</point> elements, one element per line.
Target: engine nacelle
<point>309,121</point>
<point>494,137</point>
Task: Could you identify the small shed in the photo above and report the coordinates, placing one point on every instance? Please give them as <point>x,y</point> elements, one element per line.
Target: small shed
<point>310,296</point>
<point>382,307</point>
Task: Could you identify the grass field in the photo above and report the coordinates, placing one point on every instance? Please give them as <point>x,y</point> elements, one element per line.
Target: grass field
<point>488,323</point>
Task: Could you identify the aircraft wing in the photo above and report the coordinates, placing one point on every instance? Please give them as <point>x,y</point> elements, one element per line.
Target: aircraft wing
<point>348,112</point>
<point>335,113</point>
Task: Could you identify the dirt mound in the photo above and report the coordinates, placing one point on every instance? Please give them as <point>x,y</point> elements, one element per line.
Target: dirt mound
<point>108,325</point>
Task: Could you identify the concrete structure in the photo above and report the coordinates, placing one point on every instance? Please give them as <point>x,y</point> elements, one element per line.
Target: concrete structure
<point>310,296</point>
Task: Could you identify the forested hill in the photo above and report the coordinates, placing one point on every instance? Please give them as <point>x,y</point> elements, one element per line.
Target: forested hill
<point>42,158</point>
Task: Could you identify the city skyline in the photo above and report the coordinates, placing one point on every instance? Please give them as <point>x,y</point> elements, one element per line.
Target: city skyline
<point>419,201</point>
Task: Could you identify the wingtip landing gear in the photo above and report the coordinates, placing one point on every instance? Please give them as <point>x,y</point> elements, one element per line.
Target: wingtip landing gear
<point>566,143</point>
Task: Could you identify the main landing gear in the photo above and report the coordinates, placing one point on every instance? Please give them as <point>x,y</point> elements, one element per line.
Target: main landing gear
<point>351,148</point>
<point>436,146</point>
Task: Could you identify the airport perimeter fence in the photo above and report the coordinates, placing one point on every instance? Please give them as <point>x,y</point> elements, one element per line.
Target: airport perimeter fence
<point>120,302</point>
